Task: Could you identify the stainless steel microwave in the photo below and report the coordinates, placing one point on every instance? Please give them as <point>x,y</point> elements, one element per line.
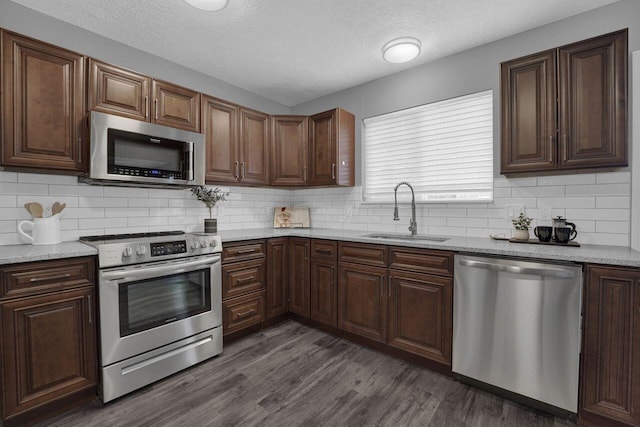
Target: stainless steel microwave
<point>134,153</point>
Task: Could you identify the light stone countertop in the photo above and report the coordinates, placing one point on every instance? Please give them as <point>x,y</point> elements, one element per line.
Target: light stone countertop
<point>13,254</point>
<point>597,254</point>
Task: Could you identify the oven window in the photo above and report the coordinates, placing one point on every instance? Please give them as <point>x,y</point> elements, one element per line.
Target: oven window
<point>149,303</point>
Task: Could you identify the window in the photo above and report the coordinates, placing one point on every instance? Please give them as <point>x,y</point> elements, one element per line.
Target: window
<point>443,149</point>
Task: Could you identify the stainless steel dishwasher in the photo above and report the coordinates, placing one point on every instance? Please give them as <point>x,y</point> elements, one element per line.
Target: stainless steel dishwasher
<point>516,326</point>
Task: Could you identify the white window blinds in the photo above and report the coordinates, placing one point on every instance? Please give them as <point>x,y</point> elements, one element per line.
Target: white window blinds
<point>443,149</point>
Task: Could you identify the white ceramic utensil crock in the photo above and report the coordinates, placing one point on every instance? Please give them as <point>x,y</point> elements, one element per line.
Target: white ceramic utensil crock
<point>44,231</point>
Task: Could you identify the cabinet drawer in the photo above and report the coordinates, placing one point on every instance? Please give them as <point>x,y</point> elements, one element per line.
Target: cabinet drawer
<point>324,249</point>
<point>46,276</point>
<point>243,251</point>
<point>421,260</point>
<point>242,312</point>
<point>363,253</point>
<point>243,277</point>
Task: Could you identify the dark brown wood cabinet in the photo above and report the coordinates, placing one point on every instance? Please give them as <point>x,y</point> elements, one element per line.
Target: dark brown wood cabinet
<point>42,106</point>
<point>289,150</point>
<point>566,108</point>
<point>299,276</point>
<point>610,371</point>
<point>255,141</point>
<point>220,129</point>
<point>421,303</point>
<point>48,338</point>
<point>323,282</point>
<point>362,290</point>
<point>115,90</point>
<point>175,106</point>
<point>277,277</point>
<point>332,148</point>
<point>243,285</point>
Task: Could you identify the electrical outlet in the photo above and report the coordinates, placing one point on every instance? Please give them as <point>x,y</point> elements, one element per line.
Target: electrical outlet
<point>513,211</point>
<point>546,213</point>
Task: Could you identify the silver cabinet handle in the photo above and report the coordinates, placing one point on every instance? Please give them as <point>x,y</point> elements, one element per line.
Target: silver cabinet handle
<point>47,278</point>
<point>146,106</point>
<point>155,107</point>
<point>333,171</point>
<point>237,174</point>
<point>90,309</point>
<point>546,272</point>
<point>242,169</point>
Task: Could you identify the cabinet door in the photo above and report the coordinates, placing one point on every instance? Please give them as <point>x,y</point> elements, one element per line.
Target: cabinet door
<point>48,350</point>
<point>114,90</point>
<point>322,148</point>
<point>175,106</point>
<point>299,276</point>
<point>277,277</point>
<point>362,300</point>
<point>593,102</point>
<point>243,311</point>
<point>42,106</point>
<point>289,150</point>
<point>220,129</point>
<point>610,383</point>
<point>255,137</point>
<point>421,314</point>
<point>528,91</point>
<point>323,298</point>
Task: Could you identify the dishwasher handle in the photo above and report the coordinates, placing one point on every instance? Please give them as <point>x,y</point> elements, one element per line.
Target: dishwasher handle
<point>543,272</point>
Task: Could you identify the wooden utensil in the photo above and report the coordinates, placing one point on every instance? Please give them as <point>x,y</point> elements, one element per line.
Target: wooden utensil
<point>62,206</point>
<point>56,208</point>
<point>34,209</point>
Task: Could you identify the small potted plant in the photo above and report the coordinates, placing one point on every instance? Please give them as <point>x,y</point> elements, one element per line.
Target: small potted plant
<point>209,196</point>
<point>521,224</point>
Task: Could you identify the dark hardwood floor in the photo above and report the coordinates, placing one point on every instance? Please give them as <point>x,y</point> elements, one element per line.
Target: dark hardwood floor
<point>293,375</point>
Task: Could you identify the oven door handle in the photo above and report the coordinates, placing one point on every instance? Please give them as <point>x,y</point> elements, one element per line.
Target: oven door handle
<point>157,271</point>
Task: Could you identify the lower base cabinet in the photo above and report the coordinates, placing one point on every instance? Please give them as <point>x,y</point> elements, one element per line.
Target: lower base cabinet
<point>363,300</point>
<point>48,339</point>
<point>610,372</point>
<point>243,311</point>
<point>420,309</point>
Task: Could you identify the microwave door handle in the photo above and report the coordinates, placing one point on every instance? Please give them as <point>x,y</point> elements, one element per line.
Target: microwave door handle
<point>157,271</point>
<point>191,160</point>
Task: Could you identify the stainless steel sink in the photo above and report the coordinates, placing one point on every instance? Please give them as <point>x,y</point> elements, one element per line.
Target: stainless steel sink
<point>392,236</point>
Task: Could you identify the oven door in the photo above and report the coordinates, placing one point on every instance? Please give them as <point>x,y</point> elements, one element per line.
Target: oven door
<point>146,306</point>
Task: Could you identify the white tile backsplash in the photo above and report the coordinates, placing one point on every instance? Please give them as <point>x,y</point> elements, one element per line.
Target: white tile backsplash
<point>599,204</point>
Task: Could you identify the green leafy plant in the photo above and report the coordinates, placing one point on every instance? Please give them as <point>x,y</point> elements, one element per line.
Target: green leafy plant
<point>209,196</point>
<point>522,222</point>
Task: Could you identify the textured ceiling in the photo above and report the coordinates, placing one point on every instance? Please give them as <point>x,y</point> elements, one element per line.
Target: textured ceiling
<point>292,51</point>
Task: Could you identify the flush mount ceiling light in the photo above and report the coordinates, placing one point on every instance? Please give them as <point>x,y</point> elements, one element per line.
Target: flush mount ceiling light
<point>401,50</point>
<point>208,5</point>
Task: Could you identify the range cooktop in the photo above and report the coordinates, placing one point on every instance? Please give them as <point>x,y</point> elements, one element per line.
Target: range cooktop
<point>138,248</point>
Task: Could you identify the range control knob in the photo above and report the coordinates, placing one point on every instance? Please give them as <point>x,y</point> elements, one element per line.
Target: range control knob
<point>127,252</point>
<point>212,244</point>
<point>203,244</point>
<point>194,246</point>
<point>141,250</point>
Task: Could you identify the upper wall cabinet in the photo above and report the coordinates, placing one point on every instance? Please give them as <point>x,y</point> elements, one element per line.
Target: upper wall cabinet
<point>125,93</point>
<point>289,150</point>
<point>332,148</point>
<point>566,108</point>
<point>42,105</point>
<point>255,141</point>
<point>220,129</point>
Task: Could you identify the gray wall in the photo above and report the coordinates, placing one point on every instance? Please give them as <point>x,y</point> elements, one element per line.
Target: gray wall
<point>39,26</point>
<point>473,70</point>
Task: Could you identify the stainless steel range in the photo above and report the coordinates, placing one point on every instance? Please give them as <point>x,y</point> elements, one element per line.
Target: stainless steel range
<point>160,306</point>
